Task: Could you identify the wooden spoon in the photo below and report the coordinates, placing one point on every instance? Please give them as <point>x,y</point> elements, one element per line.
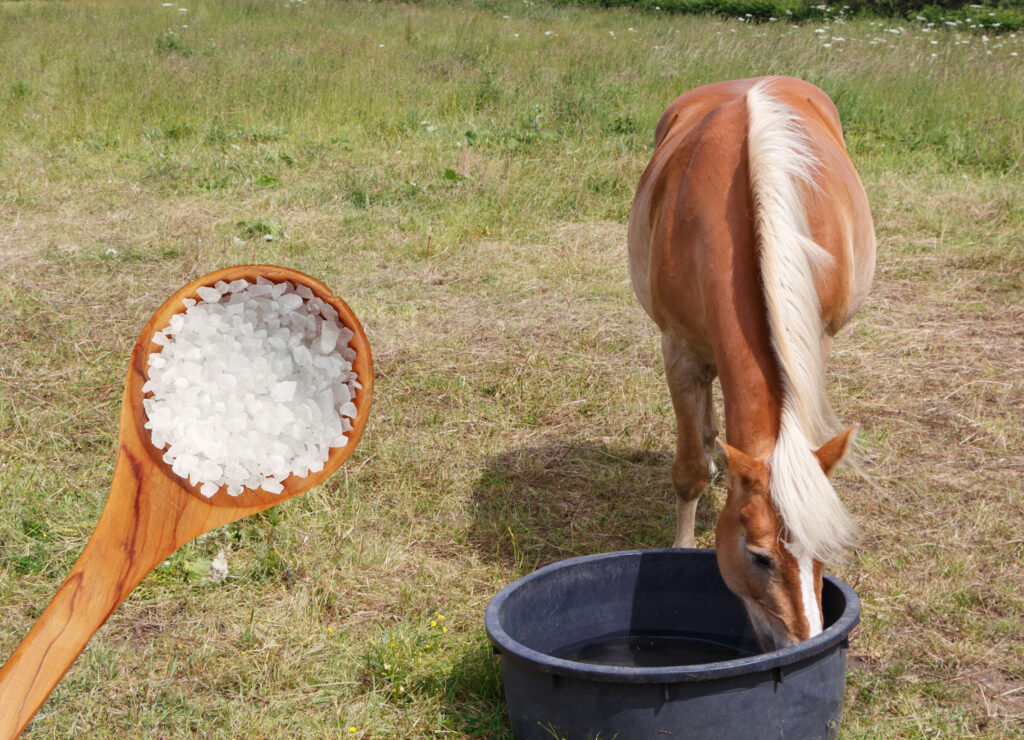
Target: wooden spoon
<point>150,513</point>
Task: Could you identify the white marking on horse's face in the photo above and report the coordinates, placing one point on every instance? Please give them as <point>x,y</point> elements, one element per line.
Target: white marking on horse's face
<point>808,596</point>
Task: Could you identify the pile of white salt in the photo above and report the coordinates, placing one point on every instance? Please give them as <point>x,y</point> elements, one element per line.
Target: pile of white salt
<point>253,383</point>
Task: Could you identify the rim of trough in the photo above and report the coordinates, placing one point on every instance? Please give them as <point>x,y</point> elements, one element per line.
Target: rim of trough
<point>504,644</point>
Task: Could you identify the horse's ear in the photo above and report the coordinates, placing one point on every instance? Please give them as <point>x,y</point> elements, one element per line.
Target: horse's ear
<point>742,465</point>
<point>832,452</point>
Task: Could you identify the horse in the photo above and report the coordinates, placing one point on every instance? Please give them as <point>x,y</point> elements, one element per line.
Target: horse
<point>750,245</point>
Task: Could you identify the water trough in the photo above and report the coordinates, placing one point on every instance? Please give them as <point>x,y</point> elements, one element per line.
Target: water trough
<point>651,644</point>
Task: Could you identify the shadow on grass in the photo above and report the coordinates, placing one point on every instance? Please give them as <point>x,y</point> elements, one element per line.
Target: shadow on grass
<point>536,505</point>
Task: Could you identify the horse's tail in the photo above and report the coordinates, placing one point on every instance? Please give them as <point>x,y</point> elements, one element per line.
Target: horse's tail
<point>782,167</point>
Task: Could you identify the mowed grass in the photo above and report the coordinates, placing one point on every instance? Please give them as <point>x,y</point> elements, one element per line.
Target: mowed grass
<point>461,175</point>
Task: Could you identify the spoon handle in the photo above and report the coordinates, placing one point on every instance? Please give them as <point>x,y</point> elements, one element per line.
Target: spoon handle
<point>106,571</point>
<point>142,523</point>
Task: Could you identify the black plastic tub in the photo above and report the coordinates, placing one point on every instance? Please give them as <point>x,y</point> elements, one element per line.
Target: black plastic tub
<point>644,608</point>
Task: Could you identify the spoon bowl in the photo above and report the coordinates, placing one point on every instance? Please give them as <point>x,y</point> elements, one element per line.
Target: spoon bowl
<point>151,512</point>
<point>293,485</point>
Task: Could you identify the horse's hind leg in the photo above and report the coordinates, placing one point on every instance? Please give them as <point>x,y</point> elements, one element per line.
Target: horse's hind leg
<point>690,386</point>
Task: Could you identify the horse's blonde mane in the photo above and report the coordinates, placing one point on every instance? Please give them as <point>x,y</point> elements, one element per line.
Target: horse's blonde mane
<point>782,167</point>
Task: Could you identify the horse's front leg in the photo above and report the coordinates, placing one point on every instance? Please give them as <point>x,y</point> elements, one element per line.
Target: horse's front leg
<point>690,386</point>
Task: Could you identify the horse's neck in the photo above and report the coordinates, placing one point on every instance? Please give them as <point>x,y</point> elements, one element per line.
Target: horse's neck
<point>738,330</point>
<point>752,394</point>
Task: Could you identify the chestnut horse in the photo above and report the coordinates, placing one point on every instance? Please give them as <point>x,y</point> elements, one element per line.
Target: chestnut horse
<point>750,245</point>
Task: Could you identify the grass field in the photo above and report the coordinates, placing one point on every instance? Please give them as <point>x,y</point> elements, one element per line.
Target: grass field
<point>461,175</point>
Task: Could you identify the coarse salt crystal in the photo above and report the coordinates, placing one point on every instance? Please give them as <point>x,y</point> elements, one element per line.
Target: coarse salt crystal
<point>271,486</point>
<point>328,312</point>
<point>329,336</point>
<point>283,391</point>
<point>209,294</point>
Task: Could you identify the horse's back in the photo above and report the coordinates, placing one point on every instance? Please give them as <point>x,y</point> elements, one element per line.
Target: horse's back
<point>809,101</point>
<point>691,232</point>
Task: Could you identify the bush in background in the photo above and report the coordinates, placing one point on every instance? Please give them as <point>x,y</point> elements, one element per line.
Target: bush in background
<point>997,15</point>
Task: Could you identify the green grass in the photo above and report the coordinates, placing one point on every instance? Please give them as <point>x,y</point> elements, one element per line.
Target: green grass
<point>462,179</point>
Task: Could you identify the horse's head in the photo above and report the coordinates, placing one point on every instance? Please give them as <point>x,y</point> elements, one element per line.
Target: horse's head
<point>780,587</point>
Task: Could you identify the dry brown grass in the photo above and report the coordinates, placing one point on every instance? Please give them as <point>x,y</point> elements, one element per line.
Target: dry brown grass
<point>933,368</point>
